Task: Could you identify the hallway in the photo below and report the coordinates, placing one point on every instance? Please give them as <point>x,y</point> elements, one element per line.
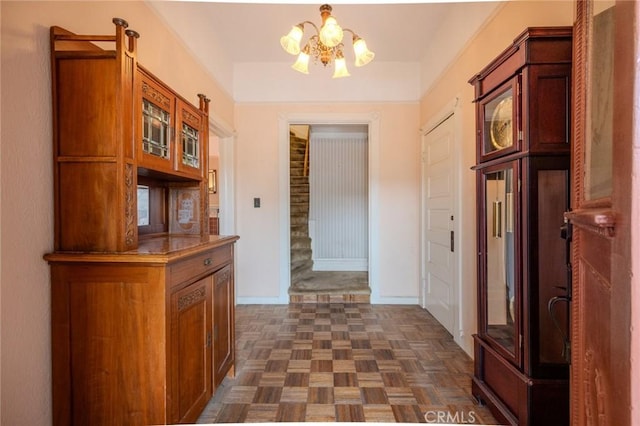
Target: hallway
<point>346,363</point>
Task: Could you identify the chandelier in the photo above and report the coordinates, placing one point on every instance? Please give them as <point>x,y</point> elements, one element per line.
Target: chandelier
<point>325,45</point>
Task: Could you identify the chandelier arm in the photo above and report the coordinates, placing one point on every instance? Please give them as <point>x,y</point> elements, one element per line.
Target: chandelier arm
<point>351,31</point>
<point>313,25</point>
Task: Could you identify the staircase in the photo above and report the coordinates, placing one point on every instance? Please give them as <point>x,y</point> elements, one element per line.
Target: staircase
<point>301,259</point>
<point>308,286</point>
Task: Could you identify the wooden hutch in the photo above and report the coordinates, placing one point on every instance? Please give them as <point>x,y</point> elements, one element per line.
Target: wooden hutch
<point>142,296</point>
<point>523,116</point>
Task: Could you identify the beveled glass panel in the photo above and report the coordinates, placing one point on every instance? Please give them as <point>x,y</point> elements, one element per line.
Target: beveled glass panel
<point>599,134</point>
<point>500,267</point>
<point>155,130</point>
<point>190,146</point>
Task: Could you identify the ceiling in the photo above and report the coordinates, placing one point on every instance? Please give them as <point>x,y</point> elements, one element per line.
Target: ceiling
<point>241,33</point>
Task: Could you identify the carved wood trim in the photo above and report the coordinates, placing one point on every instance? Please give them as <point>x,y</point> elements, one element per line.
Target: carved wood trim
<point>130,213</point>
<point>580,35</point>
<point>223,275</point>
<point>191,119</point>
<point>191,298</point>
<point>155,95</point>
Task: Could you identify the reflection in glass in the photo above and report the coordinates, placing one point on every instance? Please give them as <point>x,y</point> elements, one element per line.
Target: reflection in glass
<point>500,277</point>
<point>599,135</point>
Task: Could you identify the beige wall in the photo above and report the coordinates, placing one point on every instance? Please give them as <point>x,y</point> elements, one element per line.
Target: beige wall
<point>26,180</point>
<point>497,34</point>
<point>258,167</point>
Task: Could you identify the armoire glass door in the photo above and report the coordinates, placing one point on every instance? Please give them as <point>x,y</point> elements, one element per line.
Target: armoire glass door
<point>501,283</point>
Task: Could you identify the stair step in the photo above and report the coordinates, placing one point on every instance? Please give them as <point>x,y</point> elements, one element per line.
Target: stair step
<point>299,230</point>
<point>297,149</point>
<point>300,267</point>
<point>299,209</point>
<point>296,171</point>
<point>299,198</point>
<point>300,255</point>
<point>299,189</point>
<point>300,243</point>
<point>299,220</point>
<point>299,180</point>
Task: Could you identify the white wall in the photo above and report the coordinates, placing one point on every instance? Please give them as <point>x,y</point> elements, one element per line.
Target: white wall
<point>395,194</point>
<point>376,82</point>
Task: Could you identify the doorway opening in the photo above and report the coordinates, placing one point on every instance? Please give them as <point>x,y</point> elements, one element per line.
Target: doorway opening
<point>328,208</point>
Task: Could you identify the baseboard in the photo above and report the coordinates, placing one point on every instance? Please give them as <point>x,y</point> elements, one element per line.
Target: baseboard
<point>360,265</point>
<point>377,300</point>
<point>259,301</point>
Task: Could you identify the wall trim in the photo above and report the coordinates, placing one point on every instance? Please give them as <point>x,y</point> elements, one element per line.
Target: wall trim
<point>394,300</point>
<point>341,264</point>
<point>258,301</point>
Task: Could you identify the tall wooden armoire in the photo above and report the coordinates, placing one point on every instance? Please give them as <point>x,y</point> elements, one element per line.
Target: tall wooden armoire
<point>523,116</point>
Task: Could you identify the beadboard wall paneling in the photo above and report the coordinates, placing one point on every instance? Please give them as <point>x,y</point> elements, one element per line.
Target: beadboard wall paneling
<point>338,200</point>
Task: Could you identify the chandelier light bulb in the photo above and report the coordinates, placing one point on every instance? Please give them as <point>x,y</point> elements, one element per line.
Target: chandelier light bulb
<point>340,68</point>
<point>291,42</point>
<point>331,33</point>
<point>302,63</point>
<point>363,54</point>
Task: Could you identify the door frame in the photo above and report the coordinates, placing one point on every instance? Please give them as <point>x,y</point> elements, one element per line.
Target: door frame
<point>451,111</point>
<point>226,181</point>
<point>372,120</point>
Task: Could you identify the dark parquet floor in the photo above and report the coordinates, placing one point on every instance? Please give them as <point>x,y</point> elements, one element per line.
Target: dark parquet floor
<point>345,363</point>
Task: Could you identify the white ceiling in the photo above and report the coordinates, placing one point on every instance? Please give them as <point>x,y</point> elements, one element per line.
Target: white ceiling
<point>241,33</point>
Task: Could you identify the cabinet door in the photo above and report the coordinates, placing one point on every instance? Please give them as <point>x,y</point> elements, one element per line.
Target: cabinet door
<point>544,269</point>
<point>189,141</point>
<point>190,350</point>
<point>155,123</point>
<point>500,283</point>
<point>223,323</point>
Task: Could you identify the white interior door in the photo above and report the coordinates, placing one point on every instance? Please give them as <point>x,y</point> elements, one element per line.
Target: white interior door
<point>438,292</point>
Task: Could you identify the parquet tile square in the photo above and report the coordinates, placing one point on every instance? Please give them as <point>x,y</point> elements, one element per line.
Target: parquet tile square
<point>297,379</point>
<point>344,362</point>
<point>378,413</point>
<point>291,412</point>
<point>272,379</point>
<point>294,394</point>
<point>347,395</point>
<point>321,380</point>
<point>261,413</point>
<point>299,366</point>
<point>267,395</point>
<point>349,413</point>
<point>320,413</point>
<point>320,395</point>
